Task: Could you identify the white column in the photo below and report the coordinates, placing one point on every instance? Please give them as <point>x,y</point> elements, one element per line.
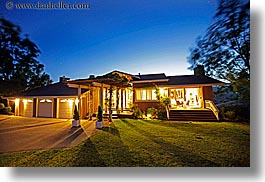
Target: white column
<point>79,96</point>
<point>101,96</point>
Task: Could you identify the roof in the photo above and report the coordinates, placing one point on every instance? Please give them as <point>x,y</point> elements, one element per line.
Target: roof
<point>56,89</point>
<point>158,76</point>
<point>191,80</point>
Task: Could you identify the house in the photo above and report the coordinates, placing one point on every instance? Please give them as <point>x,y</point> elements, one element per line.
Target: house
<point>191,96</point>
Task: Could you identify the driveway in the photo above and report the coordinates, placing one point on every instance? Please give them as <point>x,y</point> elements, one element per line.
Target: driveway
<point>21,133</point>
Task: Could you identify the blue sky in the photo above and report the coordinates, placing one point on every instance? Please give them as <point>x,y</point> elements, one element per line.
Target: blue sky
<point>133,36</point>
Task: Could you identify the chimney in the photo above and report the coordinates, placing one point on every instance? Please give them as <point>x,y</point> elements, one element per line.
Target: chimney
<point>91,76</point>
<point>199,70</point>
<point>63,79</point>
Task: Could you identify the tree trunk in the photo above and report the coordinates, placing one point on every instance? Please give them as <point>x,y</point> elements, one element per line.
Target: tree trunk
<point>167,110</point>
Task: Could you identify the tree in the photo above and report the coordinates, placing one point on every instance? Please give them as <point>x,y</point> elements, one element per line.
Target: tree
<point>19,68</point>
<point>163,100</point>
<point>225,48</point>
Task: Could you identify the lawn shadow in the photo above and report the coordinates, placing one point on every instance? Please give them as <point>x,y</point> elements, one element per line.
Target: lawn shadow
<point>88,156</point>
<point>112,130</point>
<point>121,154</point>
<point>72,134</point>
<point>187,157</point>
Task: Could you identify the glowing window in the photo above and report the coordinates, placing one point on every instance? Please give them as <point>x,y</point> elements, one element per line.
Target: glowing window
<point>143,95</point>
<point>148,94</point>
<point>153,94</point>
<point>138,95</point>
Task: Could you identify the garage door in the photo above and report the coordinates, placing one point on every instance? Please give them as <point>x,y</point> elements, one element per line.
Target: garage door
<point>45,108</point>
<point>28,107</point>
<point>66,108</point>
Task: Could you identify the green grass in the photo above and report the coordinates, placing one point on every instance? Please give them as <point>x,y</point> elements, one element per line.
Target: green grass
<point>155,143</point>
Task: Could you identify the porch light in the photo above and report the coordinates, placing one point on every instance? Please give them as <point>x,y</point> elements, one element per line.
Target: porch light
<point>70,101</point>
<point>76,101</point>
<point>16,101</point>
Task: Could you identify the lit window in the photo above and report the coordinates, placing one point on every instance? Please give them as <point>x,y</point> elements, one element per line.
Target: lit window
<point>153,94</point>
<point>138,94</point>
<point>148,94</point>
<point>143,94</point>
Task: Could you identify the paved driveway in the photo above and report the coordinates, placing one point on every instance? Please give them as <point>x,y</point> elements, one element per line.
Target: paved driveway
<point>21,133</point>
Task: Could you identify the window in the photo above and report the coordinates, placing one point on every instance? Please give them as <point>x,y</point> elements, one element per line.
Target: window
<point>154,95</point>
<point>145,94</point>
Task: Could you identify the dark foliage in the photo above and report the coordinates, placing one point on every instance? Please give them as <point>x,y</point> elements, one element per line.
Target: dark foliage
<point>19,68</point>
<point>225,48</point>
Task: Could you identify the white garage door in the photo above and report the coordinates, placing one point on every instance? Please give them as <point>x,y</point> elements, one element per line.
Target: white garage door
<point>28,107</point>
<point>66,108</point>
<point>45,108</point>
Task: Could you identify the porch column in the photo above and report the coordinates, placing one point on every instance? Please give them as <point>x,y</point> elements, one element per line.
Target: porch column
<point>101,96</point>
<point>17,107</point>
<point>79,97</point>
<point>122,90</point>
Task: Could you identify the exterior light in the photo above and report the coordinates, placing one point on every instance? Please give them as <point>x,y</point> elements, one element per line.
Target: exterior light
<point>16,101</point>
<point>76,101</point>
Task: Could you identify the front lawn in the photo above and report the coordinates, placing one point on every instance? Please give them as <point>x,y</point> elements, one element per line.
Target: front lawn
<point>131,142</point>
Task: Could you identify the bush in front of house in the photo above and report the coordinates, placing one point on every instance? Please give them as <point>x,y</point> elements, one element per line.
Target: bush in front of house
<point>137,113</point>
<point>2,105</point>
<point>152,111</point>
<point>5,110</point>
<point>237,112</point>
<point>161,113</point>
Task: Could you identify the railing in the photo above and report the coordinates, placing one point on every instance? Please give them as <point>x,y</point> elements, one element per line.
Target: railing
<point>210,105</point>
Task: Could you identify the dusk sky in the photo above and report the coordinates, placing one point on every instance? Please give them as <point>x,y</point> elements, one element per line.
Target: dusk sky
<point>134,36</point>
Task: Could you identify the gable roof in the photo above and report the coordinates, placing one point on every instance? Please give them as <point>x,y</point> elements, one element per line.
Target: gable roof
<point>56,89</point>
<point>192,80</point>
<point>158,76</point>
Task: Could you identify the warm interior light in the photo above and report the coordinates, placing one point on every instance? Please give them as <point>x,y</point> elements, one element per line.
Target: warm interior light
<point>162,91</point>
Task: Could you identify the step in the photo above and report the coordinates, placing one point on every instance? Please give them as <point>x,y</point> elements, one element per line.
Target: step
<point>194,115</point>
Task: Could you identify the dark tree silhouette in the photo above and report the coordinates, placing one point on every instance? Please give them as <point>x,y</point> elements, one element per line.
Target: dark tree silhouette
<point>19,68</point>
<point>225,48</point>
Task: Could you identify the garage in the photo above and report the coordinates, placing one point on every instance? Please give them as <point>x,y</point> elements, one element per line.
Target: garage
<point>45,108</point>
<point>28,107</point>
<point>66,108</point>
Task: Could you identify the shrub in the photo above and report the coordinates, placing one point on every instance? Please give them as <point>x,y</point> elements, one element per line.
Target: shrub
<point>152,111</point>
<point>162,113</point>
<point>230,115</point>
<point>100,113</point>
<point>5,110</point>
<point>76,114</point>
<point>2,105</point>
<point>239,112</point>
<point>137,113</point>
